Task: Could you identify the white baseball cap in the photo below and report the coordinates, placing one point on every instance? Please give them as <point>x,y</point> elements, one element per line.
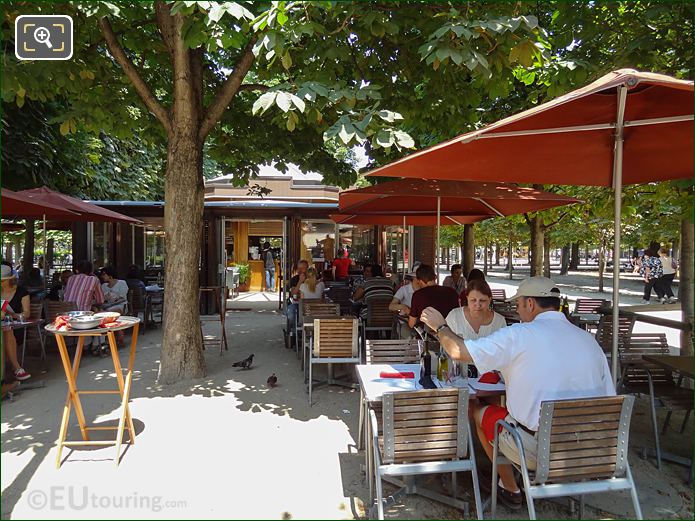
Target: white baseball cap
<point>536,287</point>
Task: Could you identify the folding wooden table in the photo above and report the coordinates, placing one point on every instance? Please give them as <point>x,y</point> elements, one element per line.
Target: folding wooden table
<point>73,396</point>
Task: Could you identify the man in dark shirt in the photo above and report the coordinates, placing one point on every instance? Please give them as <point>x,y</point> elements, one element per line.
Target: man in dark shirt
<point>442,298</point>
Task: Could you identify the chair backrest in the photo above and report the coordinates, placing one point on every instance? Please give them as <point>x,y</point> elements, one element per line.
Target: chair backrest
<point>499,294</point>
<point>378,312</point>
<point>320,309</point>
<point>136,300</point>
<point>53,308</point>
<point>583,439</point>
<point>636,374</point>
<point>336,338</point>
<point>588,305</point>
<point>392,352</point>
<point>426,425</point>
<point>604,331</point>
<point>340,295</point>
<point>36,308</point>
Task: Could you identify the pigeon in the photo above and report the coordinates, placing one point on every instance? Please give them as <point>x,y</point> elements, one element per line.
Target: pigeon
<point>245,363</point>
<point>272,380</point>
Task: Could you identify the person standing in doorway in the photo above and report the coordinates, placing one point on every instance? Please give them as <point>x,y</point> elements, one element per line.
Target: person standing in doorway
<point>328,245</point>
<point>269,261</point>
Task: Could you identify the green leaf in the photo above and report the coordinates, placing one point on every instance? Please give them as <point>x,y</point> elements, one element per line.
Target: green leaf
<point>65,128</point>
<point>291,124</point>
<point>389,116</point>
<point>264,102</point>
<point>283,101</point>
<point>287,60</point>
<point>216,12</point>
<point>282,18</point>
<point>385,138</point>
<point>298,102</point>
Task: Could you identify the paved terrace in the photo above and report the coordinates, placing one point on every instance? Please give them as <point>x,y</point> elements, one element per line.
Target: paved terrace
<point>228,447</point>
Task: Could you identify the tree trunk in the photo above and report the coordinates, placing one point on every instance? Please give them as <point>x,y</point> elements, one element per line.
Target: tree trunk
<point>498,251</point>
<point>546,255</point>
<point>485,259</point>
<point>536,246</point>
<point>685,291</point>
<point>182,342</point>
<point>468,248</point>
<point>28,255</point>
<point>510,257</point>
<point>574,256</point>
<point>565,260</point>
<point>586,254</point>
<point>601,265</point>
<point>448,259</point>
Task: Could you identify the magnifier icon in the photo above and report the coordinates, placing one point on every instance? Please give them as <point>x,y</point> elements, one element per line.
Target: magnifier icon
<point>42,35</point>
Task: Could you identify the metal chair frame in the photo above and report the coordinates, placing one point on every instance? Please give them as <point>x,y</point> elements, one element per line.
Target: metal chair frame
<point>395,445</point>
<point>543,484</point>
<point>317,357</point>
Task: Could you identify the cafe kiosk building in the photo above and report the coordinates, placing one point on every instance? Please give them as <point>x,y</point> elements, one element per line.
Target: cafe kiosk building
<point>292,216</point>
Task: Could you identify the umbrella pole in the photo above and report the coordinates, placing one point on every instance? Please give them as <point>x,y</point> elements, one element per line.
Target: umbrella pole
<point>45,257</point>
<point>618,191</point>
<point>439,211</point>
<point>405,268</point>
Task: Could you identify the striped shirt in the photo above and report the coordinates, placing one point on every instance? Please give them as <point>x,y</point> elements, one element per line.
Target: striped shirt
<point>83,290</point>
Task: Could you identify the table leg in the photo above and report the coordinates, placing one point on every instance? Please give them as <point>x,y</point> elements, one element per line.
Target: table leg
<point>24,345</point>
<point>119,377</point>
<point>72,396</point>
<point>124,414</point>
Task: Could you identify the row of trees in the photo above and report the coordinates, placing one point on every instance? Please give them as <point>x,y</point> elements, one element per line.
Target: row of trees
<point>244,83</point>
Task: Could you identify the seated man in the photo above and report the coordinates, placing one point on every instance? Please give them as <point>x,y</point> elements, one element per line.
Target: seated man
<point>543,358</point>
<point>430,294</point>
<point>401,303</point>
<point>456,280</point>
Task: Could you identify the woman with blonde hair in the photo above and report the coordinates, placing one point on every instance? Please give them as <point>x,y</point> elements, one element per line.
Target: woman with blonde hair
<point>312,288</point>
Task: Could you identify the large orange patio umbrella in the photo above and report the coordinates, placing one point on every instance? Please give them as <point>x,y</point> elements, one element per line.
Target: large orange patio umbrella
<point>627,127</point>
<point>462,198</point>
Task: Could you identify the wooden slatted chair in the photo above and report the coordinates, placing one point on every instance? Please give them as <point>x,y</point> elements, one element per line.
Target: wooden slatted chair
<point>654,382</point>
<point>35,334</point>
<point>604,333</point>
<point>219,315</point>
<point>299,329</point>
<point>588,305</point>
<point>137,304</point>
<point>499,295</point>
<point>340,294</point>
<point>386,352</point>
<point>392,351</point>
<point>582,449</point>
<point>379,317</point>
<point>336,341</point>
<point>53,308</point>
<point>424,432</point>
<point>312,309</point>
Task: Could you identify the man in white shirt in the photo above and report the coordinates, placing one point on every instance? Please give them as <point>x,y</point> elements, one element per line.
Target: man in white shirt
<point>401,303</point>
<point>543,358</point>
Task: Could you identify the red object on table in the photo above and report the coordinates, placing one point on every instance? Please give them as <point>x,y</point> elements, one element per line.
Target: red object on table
<point>490,378</point>
<point>397,374</point>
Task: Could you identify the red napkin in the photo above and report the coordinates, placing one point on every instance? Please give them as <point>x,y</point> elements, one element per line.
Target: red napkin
<point>489,378</point>
<point>398,374</point>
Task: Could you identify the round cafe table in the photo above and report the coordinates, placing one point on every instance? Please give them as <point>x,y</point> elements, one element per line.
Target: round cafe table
<point>73,395</point>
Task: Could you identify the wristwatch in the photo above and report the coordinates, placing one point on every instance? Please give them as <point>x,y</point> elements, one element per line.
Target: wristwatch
<point>439,329</point>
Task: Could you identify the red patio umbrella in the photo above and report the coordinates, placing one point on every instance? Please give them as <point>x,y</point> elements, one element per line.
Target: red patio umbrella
<point>407,220</point>
<point>18,206</point>
<point>463,198</point>
<point>626,127</point>
<point>415,196</point>
<point>85,211</point>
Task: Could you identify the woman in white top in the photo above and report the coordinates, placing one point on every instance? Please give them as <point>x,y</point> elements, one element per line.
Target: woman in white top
<point>669,266</point>
<point>115,291</point>
<point>312,288</point>
<point>477,319</point>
